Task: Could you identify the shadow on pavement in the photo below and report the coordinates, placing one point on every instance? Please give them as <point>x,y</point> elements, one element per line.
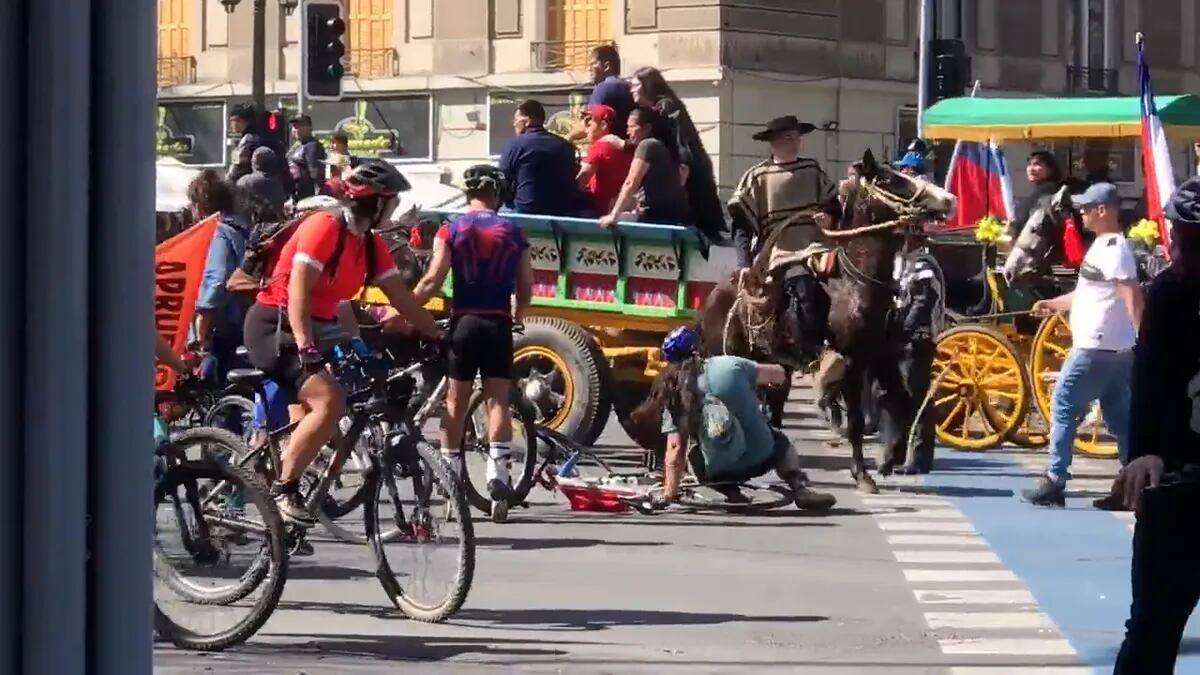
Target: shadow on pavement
<point>299,570</point>
<point>602,619</point>
<point>513,544</point>
<point>664,520</point>
<point>395,647</point>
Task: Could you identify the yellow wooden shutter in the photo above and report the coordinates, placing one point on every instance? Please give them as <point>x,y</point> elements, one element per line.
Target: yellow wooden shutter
<point>579,25</point>
<point>174,19</point>
<point>369,37</point>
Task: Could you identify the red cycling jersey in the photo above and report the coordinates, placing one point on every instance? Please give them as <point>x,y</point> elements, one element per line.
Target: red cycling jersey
<point>313,244</point>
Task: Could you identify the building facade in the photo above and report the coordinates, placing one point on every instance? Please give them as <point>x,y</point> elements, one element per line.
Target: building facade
<point>443,76</point>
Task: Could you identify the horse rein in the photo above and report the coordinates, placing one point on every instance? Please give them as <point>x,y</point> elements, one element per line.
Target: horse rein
<point>909,213</point>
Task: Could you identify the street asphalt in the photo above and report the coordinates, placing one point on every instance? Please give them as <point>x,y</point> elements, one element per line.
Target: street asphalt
<point>948,573</point>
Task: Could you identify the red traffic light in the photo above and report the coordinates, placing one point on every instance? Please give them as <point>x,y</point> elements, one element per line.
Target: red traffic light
<point>272,121</point>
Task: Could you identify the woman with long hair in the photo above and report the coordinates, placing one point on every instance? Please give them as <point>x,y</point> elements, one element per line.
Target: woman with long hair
<point>653,190</point>
<point>650,90</point>
<point>710,411</point>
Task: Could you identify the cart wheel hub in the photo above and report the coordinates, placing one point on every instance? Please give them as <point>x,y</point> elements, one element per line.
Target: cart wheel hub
<point>538,391</point>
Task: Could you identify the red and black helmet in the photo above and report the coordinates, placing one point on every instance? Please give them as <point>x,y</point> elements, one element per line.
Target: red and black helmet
<point>374,177</point>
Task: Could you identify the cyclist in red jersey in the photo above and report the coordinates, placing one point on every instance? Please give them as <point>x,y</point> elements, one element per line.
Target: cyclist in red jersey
<point>293,323</point>
<point>490,258</point>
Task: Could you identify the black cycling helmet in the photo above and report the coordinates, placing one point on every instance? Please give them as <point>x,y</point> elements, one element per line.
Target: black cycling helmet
<point>485,178</point>
<point>375,177</point>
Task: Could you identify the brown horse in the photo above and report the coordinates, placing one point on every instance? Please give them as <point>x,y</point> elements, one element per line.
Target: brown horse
<point>861,294</point>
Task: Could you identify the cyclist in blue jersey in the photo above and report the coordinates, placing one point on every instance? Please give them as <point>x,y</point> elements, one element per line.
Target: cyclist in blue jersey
<point>490,259</point>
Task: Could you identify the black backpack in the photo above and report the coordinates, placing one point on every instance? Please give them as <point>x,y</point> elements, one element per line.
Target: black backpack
<point>265,245</point>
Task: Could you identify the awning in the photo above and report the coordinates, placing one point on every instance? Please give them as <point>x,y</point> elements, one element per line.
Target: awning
<point>981,119</point>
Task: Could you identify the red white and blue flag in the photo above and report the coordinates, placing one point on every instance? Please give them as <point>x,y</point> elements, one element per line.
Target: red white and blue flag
<point>1157,172</point>
<point>978,176</point>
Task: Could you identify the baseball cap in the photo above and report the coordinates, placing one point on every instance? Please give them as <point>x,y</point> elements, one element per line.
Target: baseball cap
<point>600,111</point>
<point>1184,205</point>
<point>1097,194</point>
<point>301,119</point>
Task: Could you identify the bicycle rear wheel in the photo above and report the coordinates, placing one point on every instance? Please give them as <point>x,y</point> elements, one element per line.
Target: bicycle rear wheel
<point>209,532</point>
<point>754,498</point>
<point>398,526</point>
<point>475,449</point>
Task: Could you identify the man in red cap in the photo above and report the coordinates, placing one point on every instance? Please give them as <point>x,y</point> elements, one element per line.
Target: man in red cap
<point>606,164</point>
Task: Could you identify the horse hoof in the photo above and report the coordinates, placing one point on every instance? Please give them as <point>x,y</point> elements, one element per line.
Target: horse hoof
<point>867,486</point>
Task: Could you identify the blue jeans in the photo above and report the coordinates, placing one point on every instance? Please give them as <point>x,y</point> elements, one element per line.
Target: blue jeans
<point>1089,375</point>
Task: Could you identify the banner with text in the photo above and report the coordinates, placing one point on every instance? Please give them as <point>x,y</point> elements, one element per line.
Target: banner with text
<point>178,268</point>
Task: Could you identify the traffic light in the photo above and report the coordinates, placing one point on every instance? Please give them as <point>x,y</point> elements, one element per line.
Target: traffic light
<point>324,49</point>
<point>949,69</point>
<point>275,129</point>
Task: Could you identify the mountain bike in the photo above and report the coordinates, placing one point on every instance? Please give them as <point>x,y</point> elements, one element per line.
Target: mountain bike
<point>194,500</point>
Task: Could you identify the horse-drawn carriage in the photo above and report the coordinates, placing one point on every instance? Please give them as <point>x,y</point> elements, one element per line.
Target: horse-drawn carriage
<point>996,365</point>
<point>602,302</point>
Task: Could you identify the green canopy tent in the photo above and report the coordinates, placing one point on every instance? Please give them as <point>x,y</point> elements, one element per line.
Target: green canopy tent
<point>999,119</point>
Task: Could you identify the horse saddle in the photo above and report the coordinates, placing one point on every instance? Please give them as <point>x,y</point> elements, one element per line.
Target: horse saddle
<point>820,259</point>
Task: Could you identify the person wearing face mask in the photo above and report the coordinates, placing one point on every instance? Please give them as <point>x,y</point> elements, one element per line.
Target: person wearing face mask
<point>1161,481</point>
<point>293,325</point>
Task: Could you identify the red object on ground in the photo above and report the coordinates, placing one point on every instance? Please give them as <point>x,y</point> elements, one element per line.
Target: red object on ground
<point>584,497</point>
<point>1072,242</point>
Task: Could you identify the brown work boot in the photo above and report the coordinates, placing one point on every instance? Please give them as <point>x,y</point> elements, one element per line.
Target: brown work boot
<point>808,500</point>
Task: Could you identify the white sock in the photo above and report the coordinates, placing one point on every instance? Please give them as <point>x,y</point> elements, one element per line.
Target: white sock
<point>498,460</point>
<point>454,456</point>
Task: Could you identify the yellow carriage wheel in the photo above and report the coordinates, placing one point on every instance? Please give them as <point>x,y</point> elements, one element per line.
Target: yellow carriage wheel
<point>542,362</point>
<point>1050,347</point>
<point>979,389</point>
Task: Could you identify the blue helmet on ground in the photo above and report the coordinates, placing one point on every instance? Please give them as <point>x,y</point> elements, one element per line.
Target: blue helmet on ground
<point>680,343</point>
<point>912,160</point>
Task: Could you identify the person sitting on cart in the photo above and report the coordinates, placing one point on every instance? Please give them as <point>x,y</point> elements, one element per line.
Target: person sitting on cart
<point>711,407</point>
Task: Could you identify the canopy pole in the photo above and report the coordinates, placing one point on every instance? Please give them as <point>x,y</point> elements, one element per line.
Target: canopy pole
<point>925,18</point>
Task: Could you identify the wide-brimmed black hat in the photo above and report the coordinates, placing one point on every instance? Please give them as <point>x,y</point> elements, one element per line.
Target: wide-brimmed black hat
<point>781,124</point>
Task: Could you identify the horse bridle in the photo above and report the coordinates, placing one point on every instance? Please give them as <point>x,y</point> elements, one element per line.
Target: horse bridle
<point>906,208</point>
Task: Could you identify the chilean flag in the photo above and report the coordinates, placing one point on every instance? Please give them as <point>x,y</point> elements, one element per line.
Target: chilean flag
<point>978,177</point>
<point>1157,171</point>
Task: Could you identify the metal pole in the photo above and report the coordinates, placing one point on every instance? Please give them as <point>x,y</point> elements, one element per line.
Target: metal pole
<point>925,18</point>
<point>258,70</point>
<point>302,80</point>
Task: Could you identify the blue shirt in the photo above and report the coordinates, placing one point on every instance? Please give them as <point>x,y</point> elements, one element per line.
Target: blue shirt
<point>734,436</point>
<point>541,169</point>
<point>485,251</point>
<point>615,93</point>
<point>224,255</point>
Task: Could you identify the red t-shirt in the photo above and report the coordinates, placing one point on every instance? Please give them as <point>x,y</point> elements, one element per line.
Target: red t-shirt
<point>610,165</point>
<point>312,244</point>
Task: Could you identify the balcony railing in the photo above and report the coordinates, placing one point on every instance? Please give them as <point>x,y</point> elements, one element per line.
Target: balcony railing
<point>175,70</point>
<point>1084,81</point>
<point>561,55</point>
<point>371,64</point>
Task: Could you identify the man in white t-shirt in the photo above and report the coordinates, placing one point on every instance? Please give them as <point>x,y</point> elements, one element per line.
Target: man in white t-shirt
<point>1105,307</point>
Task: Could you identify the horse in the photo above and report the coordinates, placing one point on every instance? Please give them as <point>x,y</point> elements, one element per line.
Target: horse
<point>740,315</point>
<point>1039,243</point>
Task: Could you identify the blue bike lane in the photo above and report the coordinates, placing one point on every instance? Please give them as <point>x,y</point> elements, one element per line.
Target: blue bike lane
<point>1075,560</point>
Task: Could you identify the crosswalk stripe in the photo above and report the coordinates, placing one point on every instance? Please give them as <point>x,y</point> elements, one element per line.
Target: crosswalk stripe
<point>935,540</point>
<point>932,514</point>
<point>988,620</point>
<point>932,557</point>
<point>957,576</point>
<point>906,500</point>
<point>924,526</point>
<point>1023,670</point>
<point>1008,647</point>
<point>1014,596</point>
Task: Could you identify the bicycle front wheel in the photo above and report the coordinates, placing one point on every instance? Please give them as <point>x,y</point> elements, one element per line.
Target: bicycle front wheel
<point>199,601</point>
<point>419,526</point>
<point>476,448</point>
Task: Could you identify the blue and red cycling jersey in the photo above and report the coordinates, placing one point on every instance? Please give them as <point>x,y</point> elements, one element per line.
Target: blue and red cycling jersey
<point>485,250</point>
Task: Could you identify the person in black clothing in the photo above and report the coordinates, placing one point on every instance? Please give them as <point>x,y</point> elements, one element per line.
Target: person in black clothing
<point>1042,170</point>
<point>650,90</point>
<point>1162,480</point>
<point>242,123</point>
<point>306,159</point>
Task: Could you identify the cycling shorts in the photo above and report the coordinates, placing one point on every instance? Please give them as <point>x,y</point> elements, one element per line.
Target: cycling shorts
<point>271,347</point>
<point>480,345</point>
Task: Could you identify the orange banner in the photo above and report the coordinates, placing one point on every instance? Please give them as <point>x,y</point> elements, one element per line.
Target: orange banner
<point>178,269</point>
